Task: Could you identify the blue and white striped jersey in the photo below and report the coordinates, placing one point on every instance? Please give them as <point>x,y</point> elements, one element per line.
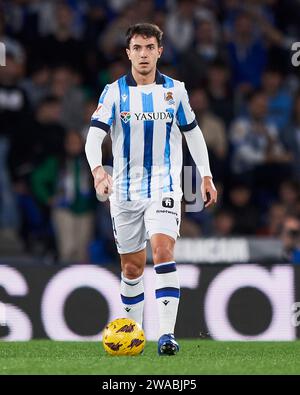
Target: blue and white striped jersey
<point>145,122</point>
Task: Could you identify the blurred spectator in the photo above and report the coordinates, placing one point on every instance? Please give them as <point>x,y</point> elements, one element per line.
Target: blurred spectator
<point>36,85</point>
<point>277,42</point>
<point>65,186</point>
<point>30,19</point>
<point>279,100</point>
<point>291,137</point>
<point>219,91</point>
<point>63,87</point>
<point>289,194</point>
<point>13,114</point>
<point>48,132</point>
<point>169,54</point>
<point>192,223</point>
<point>61,47</point>
<point>195,62</point>
<point>297,208</point>
<point>12,45</point>
<point>113,72</point>
<point>246,216</point>
<point>180,24</point>
<point>119,5</point>
<point>189,228</point>
<point>213,131</point>
<point>113,39</point>
<point>247,54</point>
<point>200,221</point>
<point>9,219</point>
<point>223,223</point>
<point>13,100</point>
<point>290,236</point>
<point>104,234</point>
<point>147,11</point>
<point>169,70</point>
<point>273,221</point>
<point>96,21</point>
<point>257,150</point>
<point>229,10</point>
<point>32,143</point>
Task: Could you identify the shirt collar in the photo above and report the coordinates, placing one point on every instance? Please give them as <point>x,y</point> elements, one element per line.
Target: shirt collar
<point>159,79</point>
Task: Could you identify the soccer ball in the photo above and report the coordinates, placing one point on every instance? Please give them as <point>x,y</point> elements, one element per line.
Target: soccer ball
<point>123,336</point>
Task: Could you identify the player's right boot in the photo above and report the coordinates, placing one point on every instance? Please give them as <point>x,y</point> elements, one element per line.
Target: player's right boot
<point>167,345</point>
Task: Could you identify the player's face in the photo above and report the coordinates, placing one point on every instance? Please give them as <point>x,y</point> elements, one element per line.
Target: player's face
<point>144,53</point>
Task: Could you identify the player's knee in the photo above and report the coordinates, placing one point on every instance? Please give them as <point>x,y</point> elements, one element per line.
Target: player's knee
<point>163,253</point>
<point>132,271</point>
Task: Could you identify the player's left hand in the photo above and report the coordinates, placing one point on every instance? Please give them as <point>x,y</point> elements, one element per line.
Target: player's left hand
<point>208,191</point>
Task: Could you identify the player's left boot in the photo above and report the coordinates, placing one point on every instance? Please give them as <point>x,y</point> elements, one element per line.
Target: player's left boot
<point>167,345</point>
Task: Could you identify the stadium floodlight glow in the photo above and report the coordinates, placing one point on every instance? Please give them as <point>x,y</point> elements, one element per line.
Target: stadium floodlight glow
<point>276,284</point>
<point>19,325</point>
<point>63,284</point>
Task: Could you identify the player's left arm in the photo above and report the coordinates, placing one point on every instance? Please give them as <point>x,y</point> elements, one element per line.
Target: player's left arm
<point>187,123</point>
<point>197,147</point>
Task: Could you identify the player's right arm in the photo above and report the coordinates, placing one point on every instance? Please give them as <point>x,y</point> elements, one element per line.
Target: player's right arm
<point>101,121</point>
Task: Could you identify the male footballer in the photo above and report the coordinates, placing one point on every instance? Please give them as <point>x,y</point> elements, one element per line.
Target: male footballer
<point>146,114</point>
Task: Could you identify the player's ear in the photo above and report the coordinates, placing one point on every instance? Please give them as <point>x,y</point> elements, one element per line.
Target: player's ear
<point>128,53</point>
<point>160,51</point>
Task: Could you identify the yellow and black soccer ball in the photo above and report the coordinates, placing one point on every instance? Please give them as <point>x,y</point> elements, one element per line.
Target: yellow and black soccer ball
<point>123,336</point>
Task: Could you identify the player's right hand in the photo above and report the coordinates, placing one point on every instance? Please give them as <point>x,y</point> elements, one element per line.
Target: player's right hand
<point>103,182</point>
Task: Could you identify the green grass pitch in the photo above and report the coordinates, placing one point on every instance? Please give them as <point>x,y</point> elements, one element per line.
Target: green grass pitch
<point>195,357</point>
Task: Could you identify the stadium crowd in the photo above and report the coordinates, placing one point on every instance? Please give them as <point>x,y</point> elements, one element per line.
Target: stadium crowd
<point>235,60</point>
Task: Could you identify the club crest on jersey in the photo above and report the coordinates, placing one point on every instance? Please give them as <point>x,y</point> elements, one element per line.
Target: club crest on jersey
<point>169,98</point>
<point>125,116</point>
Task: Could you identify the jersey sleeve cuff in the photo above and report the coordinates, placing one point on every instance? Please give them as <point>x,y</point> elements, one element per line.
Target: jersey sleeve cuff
<point>190,126</point>
<point>100,125</point>
<point>204,171</point>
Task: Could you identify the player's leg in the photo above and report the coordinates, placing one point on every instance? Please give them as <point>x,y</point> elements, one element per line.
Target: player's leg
<point>130,236</point>
<point>167,291</point>
<point>162,225</point>
<point>132,285</point>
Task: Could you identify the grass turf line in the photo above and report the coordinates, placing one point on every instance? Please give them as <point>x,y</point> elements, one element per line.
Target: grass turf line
<point>195,357</point>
